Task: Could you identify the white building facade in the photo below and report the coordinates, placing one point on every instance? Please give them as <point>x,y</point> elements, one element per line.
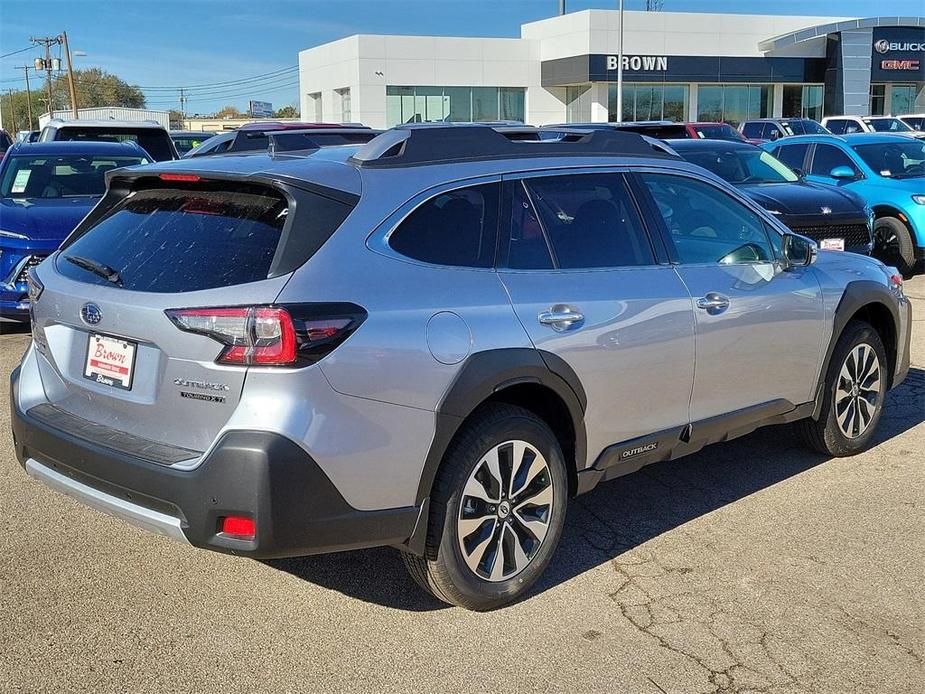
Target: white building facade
<point>676,66</point>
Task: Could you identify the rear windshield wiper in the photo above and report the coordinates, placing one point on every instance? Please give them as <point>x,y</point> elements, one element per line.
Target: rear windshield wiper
<point>97,268</point>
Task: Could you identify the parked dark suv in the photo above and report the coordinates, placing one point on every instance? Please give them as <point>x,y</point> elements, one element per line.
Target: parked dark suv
<point>771,129</point>
<point>432,342</point>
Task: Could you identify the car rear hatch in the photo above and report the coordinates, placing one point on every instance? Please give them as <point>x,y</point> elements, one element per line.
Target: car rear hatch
<point>121,347</point>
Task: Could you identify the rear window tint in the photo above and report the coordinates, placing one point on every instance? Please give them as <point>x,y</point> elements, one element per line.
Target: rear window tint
<point>457,228</point>
<point>172,240</point>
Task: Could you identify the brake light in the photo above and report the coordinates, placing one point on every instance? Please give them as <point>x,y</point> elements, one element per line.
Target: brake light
<point>187,178</point>
<point>896,282</point>
<point>295,335</point>
<point>239,527</point>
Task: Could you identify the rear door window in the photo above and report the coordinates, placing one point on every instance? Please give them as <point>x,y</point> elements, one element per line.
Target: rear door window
<point>837,126</point>
<point>154,141</point>
<point>792,155</point>
<point>753,130</point>
<point>176,240</point>
<point>576,221</point>
<point>457,228</point>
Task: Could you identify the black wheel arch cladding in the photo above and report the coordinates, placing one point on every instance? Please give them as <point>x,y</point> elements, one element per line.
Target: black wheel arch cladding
<point>861,295</point>
<point>486,374</point>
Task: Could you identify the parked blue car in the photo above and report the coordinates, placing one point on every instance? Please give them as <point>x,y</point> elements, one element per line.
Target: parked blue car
<point>45,190</point>
<point>888,171</point>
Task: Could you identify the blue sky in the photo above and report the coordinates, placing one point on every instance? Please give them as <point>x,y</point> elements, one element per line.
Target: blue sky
<point>170,43</point>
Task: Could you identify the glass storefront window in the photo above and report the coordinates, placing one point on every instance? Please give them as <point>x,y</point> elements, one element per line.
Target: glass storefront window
<point>650,102</point>
<point>733,103</point>
<point>453,104</point>
<point>902,99</point>
<point>803,101</point>
<point>877,99</point>
<point>577,108</point>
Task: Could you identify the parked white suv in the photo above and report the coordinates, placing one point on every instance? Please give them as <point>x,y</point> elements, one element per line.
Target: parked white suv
<point>846,125</point>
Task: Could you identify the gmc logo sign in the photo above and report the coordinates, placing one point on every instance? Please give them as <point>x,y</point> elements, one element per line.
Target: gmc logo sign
<point>899,65</point>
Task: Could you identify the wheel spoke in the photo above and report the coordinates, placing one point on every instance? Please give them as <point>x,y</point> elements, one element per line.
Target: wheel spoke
<point>474,558</point>
<point>492,464</point>
<point>534,467</point>
<point>520,557</point>
<point>496,573</point>
<point>467,526</point>
<point>477,490</point>
<point>536,527</point>
<point>542,498</point>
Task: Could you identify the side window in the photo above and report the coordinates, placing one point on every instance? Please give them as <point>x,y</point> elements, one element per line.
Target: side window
<point>827,157</point>
<point>853,127</point>
<point>792,155</point>
<point>753,130</point>
<point>836,126</point>
<point>527,247</point>
<point>706,224</point>
<point>586,221</point>
<point>458,227</point>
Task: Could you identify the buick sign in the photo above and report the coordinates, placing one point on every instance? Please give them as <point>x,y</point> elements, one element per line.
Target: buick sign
<point>91,314</point>
<point>884,46</point>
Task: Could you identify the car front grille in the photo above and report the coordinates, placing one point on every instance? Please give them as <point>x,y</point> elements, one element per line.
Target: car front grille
<point>32,262</point>
<point>854,234</point>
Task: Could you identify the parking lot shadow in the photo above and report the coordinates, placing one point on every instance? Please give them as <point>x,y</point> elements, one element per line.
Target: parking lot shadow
<point>621,515</point>
<point>13,327</point>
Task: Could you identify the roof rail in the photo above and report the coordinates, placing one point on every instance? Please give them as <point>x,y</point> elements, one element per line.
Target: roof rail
<point>422,144</point>
<point>284,141</point>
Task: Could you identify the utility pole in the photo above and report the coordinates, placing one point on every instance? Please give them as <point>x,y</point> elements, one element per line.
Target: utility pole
<point>183,100</point>
<point>70,74</point>
<point>26,69</point>
<point>48,65</point>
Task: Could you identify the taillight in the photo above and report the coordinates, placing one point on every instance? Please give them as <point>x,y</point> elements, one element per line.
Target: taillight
<point>295,335</point>
<point>239,527</point>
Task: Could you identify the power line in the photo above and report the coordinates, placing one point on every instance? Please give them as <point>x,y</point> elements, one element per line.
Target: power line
<point>21,50</point>
<point>188,87</point>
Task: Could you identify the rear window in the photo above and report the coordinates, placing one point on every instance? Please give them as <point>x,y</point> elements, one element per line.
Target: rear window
<point>60,176</point>
<point>174,240</point>
<point>155,142</point>
<point>659,132</point>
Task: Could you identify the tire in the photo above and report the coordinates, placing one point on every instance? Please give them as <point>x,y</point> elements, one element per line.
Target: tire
<point>484,527</point>
<point>893,245</point>
<point>848,418</point>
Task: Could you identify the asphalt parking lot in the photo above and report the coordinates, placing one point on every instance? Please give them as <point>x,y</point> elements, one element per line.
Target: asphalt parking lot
<point>751,566</point>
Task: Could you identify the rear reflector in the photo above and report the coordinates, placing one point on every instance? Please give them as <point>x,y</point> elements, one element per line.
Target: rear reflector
<point>188,178</point>
<point>239,527</point>
<point>295,335</point>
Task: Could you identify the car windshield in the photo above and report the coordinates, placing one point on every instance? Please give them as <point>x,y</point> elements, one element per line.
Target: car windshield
<point>895,159</point>
<point>742,165</point>
<point>184,143</point>
<point>60,176</point>
<point>888,125</point>
<point>804,127</point>
<point>720,131</point>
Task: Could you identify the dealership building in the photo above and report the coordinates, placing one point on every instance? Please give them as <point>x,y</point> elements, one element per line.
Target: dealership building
<point>676,66</point>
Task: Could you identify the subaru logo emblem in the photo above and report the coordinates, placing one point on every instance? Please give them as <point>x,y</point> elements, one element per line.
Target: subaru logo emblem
<point>882,46</point>
<point>826,210</point>
<point>91,314</point>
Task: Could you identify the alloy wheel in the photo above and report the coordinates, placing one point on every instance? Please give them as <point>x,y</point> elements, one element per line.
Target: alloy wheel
<point>505,511</point>
<point>857,394</point>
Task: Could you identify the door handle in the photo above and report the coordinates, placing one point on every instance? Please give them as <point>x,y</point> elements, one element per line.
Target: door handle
<point>713,302</point>
<point>561,317</point>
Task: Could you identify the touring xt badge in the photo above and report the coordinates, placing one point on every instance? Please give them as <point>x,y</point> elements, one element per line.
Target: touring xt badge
<point>212,389</point>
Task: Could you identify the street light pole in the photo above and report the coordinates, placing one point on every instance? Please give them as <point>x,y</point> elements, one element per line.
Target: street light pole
<point>620,69</point>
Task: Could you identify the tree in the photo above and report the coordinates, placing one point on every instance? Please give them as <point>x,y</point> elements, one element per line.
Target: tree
<point>176,119</point>
<point>229,112</point>
<point>96,87</point>
<point>290,111</point>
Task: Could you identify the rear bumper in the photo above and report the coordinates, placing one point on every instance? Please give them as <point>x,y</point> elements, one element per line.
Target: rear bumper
<point>258,474</point>
<point>904,360</point>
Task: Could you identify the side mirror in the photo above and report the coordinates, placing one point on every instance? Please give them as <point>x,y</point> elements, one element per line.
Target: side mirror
<point>842,172</point>
<point>799,251</point>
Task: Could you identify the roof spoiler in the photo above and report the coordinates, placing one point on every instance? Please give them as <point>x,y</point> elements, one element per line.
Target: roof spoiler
<point>282,142</point>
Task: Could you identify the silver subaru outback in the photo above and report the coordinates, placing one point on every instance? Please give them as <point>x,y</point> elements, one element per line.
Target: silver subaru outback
<point>432,341</point>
